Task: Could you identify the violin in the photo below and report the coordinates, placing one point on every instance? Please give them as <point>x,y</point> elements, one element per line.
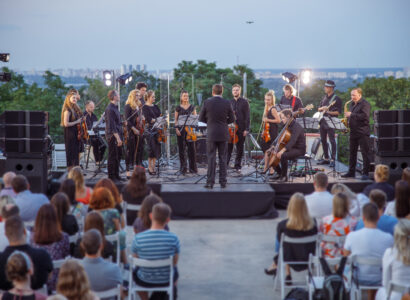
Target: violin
<point>140,123</point>
<point>266,135</point>
<point>162,138</point>
<point>233,133</point>
<point>190,134</point>
<point>82,131</point>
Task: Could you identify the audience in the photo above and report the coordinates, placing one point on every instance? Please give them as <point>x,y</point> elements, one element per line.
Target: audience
<point>103,275</point>
<point>354,205</point>
<point>82,192</point>
<point>73,282</point>
<point>381,176</point>
<point>67,222</point>
<point>42,264</point>
<point>143,222</point>
<point>319,203</point>
<point>135,191</point>
<point>385,223</point>
<point>8,189</point>
<point>47,235</point>
<point>77,209</point>
<point>370,242</point>
<point>156,243</point>
<point>298,224</point>
<point>6,212</point>
<point>400,207</point>
<point>103,202</point>
<point>94,220</point>
<point>19,269</point>
<point>340,223</point>
<point>28,202</point>
<point>5,200</point>
<point>406,175</point>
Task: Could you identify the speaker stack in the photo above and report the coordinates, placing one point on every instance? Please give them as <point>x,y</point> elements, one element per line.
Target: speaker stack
<point>392,141</point>
<point>23,139</point>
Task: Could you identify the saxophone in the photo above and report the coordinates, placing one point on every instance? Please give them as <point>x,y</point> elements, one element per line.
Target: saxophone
<point>344,120</point>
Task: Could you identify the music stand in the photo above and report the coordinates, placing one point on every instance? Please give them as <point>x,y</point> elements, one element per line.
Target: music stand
<point>188,120</point>
<point>308,123</point>
<point>336,124</point>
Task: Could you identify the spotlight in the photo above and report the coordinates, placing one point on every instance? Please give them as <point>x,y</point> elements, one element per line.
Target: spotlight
<point>4,57</point>
<point>107,77</point>
<point>124,79</point>
<point>5,76</point>
<point>289,77</point>
<point>108,82</point>
<point>306,76</point>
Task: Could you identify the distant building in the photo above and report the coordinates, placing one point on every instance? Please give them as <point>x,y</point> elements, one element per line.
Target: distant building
<point>144,68</point>
<point>138,68</point>
<point>388,73</point>
<point>130,68</point>
<point>123,69</point>
<point>406,72</point>
<point>399,74</point>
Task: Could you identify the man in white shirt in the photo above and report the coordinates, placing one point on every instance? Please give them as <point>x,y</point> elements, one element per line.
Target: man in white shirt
<point>320,202</point>
<point>370,242</point>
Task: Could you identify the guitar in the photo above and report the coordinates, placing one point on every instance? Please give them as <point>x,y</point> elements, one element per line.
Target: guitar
<point>319,115</point>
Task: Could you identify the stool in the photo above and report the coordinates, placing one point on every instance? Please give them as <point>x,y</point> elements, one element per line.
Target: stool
<point>308,167</point>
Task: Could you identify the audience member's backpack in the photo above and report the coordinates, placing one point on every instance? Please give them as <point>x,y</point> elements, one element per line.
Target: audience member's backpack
<point>297,294</point>
<point>333,285</point>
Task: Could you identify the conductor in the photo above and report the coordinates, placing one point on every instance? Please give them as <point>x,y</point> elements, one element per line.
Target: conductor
<point>217,113</point>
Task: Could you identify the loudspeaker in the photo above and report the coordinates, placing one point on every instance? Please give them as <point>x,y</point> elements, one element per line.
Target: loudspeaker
<point>22,131</point>
<point>34,169</point>
<point>200,147</point>
<point>392,146</point>
<point>24,117</point>
<point>392,130</point>
<point>396,164</point>
<point>25,146</point>
<point>386,116</point>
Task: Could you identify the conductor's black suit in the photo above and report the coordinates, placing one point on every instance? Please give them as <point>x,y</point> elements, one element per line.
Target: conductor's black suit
<point>217,113</point>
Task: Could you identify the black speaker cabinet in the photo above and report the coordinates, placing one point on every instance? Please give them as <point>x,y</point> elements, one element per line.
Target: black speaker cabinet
<point>25,145</point>
<point>24,117</point>
<point>392,146</point>
<point>22,131</point>
<point>34,169</point>
<point>392,116</point>
<point>392,130</point>
<point>396,164</point>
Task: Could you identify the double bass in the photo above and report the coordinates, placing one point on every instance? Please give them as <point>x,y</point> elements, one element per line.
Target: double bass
<point>271,158</point>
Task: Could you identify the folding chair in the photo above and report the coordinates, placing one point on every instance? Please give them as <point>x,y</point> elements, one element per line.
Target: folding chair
<point>282,262</point>
<point>115,238</point>
<point>73,238</point>
<point>43,290</point>
<point>59,262</point>
<point>395,287</point>
<point>129,207</point>
<point>29,225</point>
<point>111,293</point>
<point>363,261</point>
<point>138,262</point>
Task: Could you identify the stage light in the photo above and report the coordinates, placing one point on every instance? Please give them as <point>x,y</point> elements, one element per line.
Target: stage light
<point>4,57</point>
<point>107,77</point>
<point>5,76</point>
<point>108,82</point>
<point>124,79</point>
<point>289,77</point>
<point>306,76</point>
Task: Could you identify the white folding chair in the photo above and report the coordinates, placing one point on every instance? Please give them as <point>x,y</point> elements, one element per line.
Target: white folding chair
<point>363,261</point>
<point>111,293</point>
<point>29,224</point>
<point>43,290</point>
<point>281,262</point>
<point>59,262</point>
<point>73,238</point>
<point>129,207</point>
<point>115,239</point>
<point>399,288</point>
<point>138,262</point>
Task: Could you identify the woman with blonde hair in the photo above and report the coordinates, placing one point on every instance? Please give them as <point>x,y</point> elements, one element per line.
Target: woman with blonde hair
<point>132,110</point>
<point>73,282</point>
<point>381,176</point>
<point>71,116</point>
<point>298,224</point>
<point>82,192</point>
<point>354,203</point>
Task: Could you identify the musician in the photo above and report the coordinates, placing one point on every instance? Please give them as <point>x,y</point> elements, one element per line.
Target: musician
<point>142,87</point>
<point>185,108</point>
<point>289,99</point>
<point>240,108</point>
<point>151,112</point>
<point>71,116</point>
<point>90,119</point>
<point>114,135</point>
<point>131,112</point>
<point>294,148</point>
<point>358,118</point>
<point>271,117</point>
<point>217,113</point>
<point>332,112</point>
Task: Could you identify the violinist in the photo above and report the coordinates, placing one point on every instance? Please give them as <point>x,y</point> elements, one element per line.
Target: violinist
<point>270,121</point>
<point>184,108</point>
<point>90,119</point>
<point>71,118</point>
<point>240,108</point>
<point>151,113</point>
<point>131,113</point>
<point>113,133</point>
<point>294,148</point>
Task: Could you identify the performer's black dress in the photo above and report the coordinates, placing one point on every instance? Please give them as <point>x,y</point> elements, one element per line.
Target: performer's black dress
<point>182,141</point>
<point>152,112</point>
<point>72,144</point>
<point>273,132</point>
<point>131,117</point>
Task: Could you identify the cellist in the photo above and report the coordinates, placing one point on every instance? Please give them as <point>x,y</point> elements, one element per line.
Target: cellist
<point>185,108</point>
<point>294,148</point>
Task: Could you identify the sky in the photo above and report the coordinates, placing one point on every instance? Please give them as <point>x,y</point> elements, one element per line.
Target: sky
<point>50,34</point>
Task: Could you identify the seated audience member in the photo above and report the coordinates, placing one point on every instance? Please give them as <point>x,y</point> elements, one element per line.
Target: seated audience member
<point>103,202</point>
<point>340,223</point>
<point>143,222</point>
<point>82,192</point>
<point>400,207</point>
<point>153,244</point>
<point>94,220</point>
<point>47,235</point>
<point>73,282</point>
<point>135,191</point>
<point>8,189</point>
<point>19,268</point>
<point>385,223</point>
<point>6,212</point>
<point>381,176</point>
<point>370,242</point>
<point>67,222</point>
<point>77,209</point>
<point>354,205</point>
<point>298,224</point>
<point>396,260</point>
<point>103,275</point>
<point>5,200</point>
<point>319,203</point>
<point>28,202</point>
<point>406,175</point>
<point>16,234</point>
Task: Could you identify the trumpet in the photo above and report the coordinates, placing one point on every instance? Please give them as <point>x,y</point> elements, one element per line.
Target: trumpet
<point>344,120</point>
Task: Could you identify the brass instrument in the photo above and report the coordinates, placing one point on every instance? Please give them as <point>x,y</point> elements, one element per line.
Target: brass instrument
<point>344,120</point>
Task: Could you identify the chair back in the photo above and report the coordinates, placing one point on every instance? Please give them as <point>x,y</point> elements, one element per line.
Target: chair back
<point>111,293</point>
<point>59,262</point>
<point>73,238</point>
<point>129,207</point>
<point>115,240</point>
<point>398,288</point>
<point>29,224</point>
